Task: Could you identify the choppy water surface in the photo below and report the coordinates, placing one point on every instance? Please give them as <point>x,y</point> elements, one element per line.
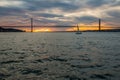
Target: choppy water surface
<point>60,56</point>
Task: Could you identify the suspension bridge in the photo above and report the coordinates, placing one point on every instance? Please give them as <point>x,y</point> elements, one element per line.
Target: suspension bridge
<point>30,23</point>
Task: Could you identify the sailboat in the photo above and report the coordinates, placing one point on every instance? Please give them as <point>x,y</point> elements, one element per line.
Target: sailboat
<point>78,31</point>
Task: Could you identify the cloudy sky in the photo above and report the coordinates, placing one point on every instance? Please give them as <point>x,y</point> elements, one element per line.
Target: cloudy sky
<point>60,12</point>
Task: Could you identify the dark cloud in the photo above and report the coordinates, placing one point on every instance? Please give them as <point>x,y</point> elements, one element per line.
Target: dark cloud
<point>47,4</point>
<point>17,12</point>
<point>115,17</point>
<point>115,3</point>
<point>6,11</point>
<point>98,3</point>
<point>114,13</point>
<point>86,19</point>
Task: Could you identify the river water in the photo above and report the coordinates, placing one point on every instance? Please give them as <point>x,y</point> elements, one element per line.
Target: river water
<point>60,56</point>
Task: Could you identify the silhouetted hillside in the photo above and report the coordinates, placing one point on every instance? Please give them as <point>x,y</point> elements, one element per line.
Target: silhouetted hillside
<point>10,30</point>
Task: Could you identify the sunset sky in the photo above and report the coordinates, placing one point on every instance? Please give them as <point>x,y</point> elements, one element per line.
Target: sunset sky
<point>60,12</point>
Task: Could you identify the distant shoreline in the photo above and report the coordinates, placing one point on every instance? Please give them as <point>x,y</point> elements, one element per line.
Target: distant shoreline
<point>18,30</point>
<point>10,30</point>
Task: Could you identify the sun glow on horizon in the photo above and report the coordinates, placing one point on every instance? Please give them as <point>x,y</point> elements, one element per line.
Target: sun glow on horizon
<point>43,30</point>
<point>74,28</point>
